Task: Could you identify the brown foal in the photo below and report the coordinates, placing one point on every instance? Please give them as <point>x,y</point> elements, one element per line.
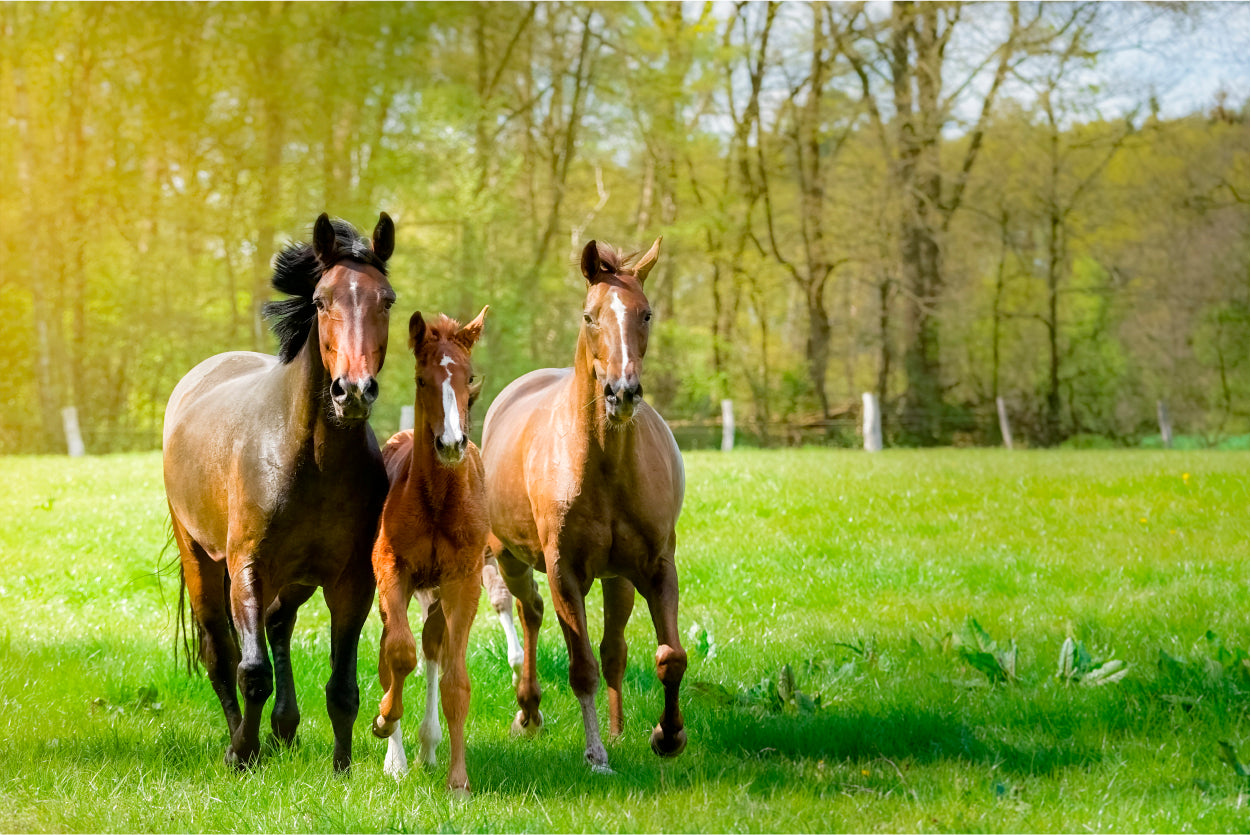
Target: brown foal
<point>430,542</point>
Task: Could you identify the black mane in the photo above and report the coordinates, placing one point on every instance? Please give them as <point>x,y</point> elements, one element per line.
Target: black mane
<point>297,269</point>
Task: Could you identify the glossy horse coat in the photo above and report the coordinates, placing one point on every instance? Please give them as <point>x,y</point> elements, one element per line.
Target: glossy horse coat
<point>431,541</point>
<point>585,482</point>
<point>275,484</point>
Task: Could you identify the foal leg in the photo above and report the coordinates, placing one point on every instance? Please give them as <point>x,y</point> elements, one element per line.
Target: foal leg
<point>502,603</point>
<point>256,674</point>
<point>433,635</point>
<point>348,600</point>
<point>397,657</point>
<point>279,623</point>
<point>520,580</point>
<point>668,738</point>
<point>568,599</point>
<point>618,604</point>
<point>460,606</point>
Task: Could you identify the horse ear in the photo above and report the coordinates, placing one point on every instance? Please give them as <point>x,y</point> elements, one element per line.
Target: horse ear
<point>645,264</point>
<point>590,261</point>
<point>384,237</point>
<point>325,244</point>
<point>472,332</point>
<point>416,330</point>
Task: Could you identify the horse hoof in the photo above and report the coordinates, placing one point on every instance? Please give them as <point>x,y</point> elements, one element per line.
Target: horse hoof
<point>459,794</point>
<point>382,728</point>
<point>600,768</point>
<point>533,727</point>
<point>668,746</point>
<point>233,760</point>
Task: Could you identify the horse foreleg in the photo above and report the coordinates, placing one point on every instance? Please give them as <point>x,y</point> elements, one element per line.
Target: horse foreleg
<point>255,673</point>
<point>279,623</point>
<point>520,580</point>
<point>568,599</point>
<point>502,603</point>
<point>349,600</point>
<point>397,657</point>
<point>433,637</point>
<point>668,738</point>
<point>460,605</point>
<point>618,604</point>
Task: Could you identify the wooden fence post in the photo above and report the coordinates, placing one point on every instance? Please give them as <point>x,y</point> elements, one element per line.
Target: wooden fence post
<point>727,425</point>
<point>1166,425</point>
<point>872,423</point>
<point>406,417</point>
<point>1004,429</point>
<point>73,438</point>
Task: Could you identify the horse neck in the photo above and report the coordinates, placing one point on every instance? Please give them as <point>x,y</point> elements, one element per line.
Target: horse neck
<point>438,483</point>
<point>585,404</point>
<point>305,387</point>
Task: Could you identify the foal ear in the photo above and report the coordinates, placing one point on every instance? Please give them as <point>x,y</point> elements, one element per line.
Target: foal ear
<point>590,261</point>
<point>325,244</point>
<point>384,237</point>
<point>416,331</point>
<point>472,332</point>
<point>645,264</point>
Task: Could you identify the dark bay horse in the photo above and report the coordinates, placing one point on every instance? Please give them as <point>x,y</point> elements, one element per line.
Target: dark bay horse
<point>430,541</point>
<point>585,481</point>
<point>275,484</point>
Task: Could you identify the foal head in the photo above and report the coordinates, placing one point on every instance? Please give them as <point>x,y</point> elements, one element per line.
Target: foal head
<point>339,281</point>
<point>616,320</point>
<point>446,386</point>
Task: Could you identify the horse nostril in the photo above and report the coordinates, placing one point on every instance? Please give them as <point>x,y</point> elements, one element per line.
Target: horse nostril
<point>438,444</point>
<point>608,392</point>
<point>337,391</point>
<point>369,391</point>
<point>634,393</point>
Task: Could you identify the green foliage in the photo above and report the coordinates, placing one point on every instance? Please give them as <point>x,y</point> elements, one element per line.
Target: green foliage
<point>158,156</point>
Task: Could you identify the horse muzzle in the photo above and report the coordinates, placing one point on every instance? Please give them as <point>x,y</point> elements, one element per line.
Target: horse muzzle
<point>621,400</point>
<point>450,454</point>
<point>353,400</point>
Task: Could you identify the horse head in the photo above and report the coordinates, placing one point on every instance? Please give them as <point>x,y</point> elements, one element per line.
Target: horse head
<point>353,301</point>
<point>616,320</point>
<point>446,385</point>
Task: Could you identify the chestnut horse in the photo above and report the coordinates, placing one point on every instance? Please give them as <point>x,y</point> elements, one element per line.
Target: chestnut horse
<point>430,541</point>
<point>275,484</point>
<point>585,481</point>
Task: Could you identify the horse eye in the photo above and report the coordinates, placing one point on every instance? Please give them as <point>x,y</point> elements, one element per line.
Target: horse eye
<point>647,317</point>
<point>319,303</point>
<point>472,377</point>
<point>586,317</point>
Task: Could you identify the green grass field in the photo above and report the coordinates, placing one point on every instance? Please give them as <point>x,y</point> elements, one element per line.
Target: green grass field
<point>836,679</point>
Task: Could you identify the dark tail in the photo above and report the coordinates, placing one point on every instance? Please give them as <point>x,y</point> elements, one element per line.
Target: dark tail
<point>186,642</point>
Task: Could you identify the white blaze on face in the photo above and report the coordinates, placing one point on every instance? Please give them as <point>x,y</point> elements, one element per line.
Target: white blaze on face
<point>620,310</point>
<point>451,414</point>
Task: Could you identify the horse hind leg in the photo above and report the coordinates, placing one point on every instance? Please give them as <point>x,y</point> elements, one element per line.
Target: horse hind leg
<point>519,578</point>
<point>207,590</point>
<point>618,604</point>
<point>502,602</point>
<point>284,719</point>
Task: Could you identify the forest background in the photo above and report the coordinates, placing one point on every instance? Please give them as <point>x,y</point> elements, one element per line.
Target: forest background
<point>940,203</point>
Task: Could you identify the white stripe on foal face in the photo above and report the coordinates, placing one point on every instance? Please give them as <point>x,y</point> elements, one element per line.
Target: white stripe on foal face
<point>620,310</point>
<point>451,414</point>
